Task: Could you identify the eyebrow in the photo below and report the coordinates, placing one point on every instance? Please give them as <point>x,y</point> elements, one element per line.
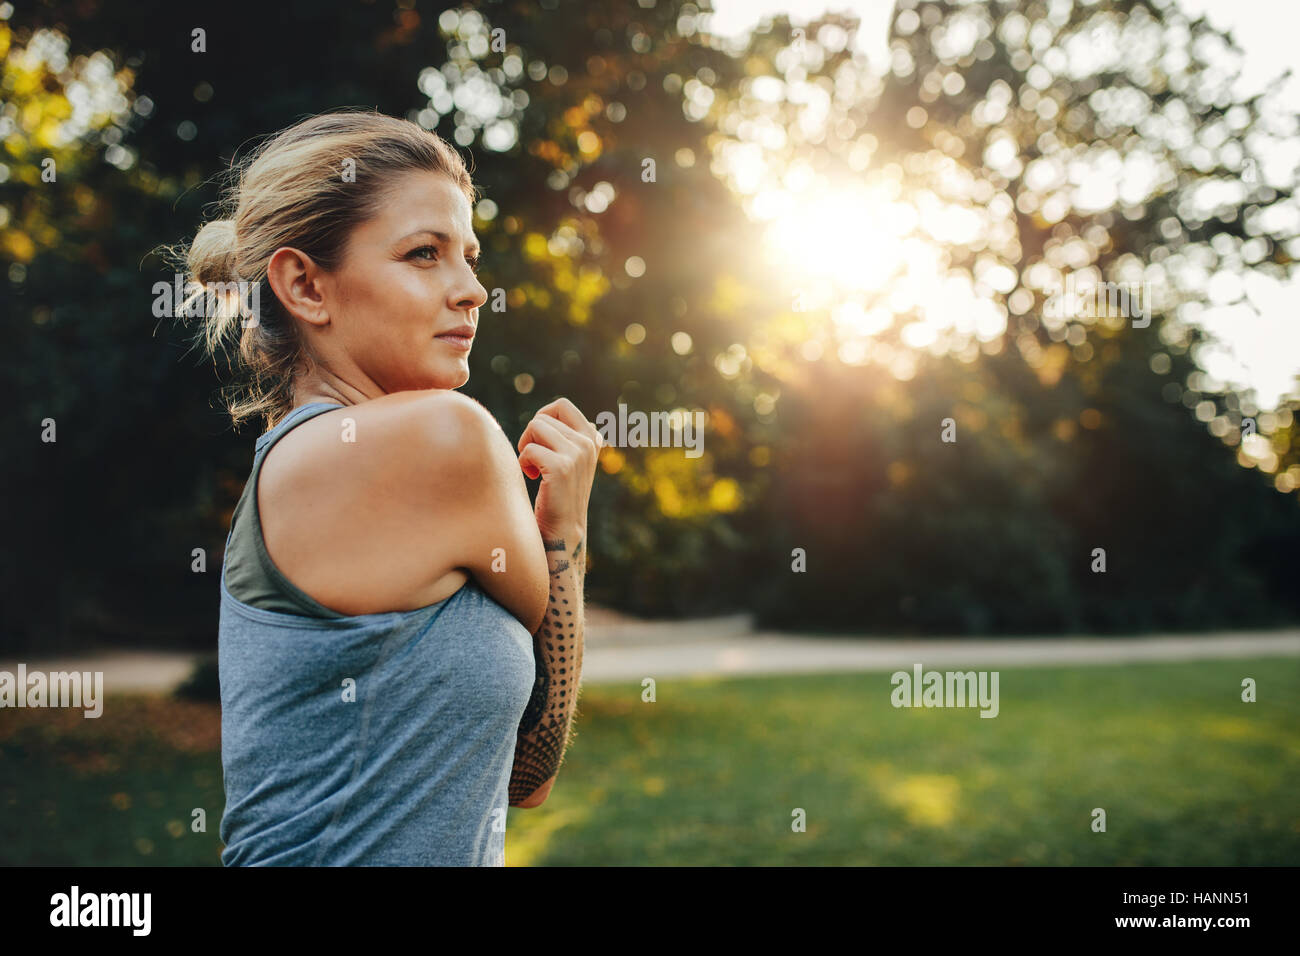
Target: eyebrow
<point>473,248</point>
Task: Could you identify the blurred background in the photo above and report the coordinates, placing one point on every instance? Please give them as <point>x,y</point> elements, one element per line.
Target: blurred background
<point>839,234</point>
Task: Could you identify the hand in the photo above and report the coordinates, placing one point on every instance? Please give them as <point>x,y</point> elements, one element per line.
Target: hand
<point>560,445</point>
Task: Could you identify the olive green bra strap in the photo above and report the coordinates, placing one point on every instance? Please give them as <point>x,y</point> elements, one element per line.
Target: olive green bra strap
<point>251,576</point>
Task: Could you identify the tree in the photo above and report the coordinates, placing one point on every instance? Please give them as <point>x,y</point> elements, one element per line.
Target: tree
<point>631,166</point>
<point>1095,139</point>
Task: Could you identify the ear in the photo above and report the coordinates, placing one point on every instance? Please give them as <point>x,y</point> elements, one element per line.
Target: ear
<point>296,280</point>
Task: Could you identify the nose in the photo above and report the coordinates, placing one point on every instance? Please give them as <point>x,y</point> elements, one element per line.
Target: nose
<point>473,297</point>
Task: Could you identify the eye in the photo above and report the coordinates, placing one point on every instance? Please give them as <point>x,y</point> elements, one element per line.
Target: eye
<point>473,263</point>
<point>416,253</point>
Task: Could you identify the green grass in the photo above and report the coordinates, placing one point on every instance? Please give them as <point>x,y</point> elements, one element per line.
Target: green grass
<point>118,790</point>
<point>710,774</point>
<point>1187,773</point>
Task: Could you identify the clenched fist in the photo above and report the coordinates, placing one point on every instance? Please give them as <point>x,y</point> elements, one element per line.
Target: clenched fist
<point>560,445</point>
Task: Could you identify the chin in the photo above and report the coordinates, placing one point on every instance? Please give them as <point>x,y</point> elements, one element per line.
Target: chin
<point>448,377</point>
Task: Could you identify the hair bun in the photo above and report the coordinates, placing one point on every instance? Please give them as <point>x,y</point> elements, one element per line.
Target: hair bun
<point>212,254</point>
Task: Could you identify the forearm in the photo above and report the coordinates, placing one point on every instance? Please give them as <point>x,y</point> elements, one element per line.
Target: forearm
<point>545,728</point>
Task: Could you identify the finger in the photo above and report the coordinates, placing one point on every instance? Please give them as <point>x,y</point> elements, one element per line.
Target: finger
<point>586,441</point>
<point>588,438</point>
<point>549,431</point>
<point>567,412</point>
<point>537,430</point>
<point>530,430</point>
<point>537,460</point>
<point>558,436</point>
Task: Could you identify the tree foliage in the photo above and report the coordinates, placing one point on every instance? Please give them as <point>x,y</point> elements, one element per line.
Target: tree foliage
<point>624,287</point>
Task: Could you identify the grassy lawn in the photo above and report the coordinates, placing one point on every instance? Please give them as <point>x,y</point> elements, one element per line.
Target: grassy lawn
<point>118,790</point>
<point>711,772</point>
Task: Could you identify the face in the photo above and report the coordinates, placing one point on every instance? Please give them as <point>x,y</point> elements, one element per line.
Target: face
<point>405,295</point>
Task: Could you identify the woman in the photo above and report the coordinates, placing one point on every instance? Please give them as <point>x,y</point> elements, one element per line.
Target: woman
<point>401,631</point>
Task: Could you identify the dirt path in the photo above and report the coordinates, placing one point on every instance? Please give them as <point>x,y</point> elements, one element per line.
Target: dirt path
<point>620,648</point>
<point>707,654</point>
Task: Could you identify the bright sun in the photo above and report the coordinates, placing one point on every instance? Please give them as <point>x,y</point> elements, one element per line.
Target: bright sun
<point>875,259</point>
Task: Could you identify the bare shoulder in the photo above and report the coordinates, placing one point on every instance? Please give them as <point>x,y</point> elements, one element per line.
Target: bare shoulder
<point>449,442</point>
<point>367,507</point>
<point>435,433</point>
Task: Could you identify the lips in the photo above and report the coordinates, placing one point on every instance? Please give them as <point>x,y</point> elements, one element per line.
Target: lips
<point>462,337</point>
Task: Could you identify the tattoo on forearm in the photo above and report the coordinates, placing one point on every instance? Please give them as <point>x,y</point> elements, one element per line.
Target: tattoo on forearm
<point>558,545</point>
<point>537,703</point>
<point>544,729</point>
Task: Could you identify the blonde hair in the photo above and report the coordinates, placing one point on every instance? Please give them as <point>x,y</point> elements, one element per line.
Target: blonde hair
<point>292,191</point>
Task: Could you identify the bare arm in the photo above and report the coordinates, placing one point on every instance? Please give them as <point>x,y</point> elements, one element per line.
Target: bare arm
<point>488,528</point>
<point>559,446</point>
<point>545,729</point>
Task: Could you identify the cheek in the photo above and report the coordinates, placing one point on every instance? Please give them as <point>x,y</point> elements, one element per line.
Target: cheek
<point>389,304</point>
<point>409,298</point>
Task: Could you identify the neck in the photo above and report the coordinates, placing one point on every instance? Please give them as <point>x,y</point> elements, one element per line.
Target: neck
<point>325,386</point>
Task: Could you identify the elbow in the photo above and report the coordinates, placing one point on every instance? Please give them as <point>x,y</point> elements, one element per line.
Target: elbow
<point>537,618</point>
<point>538,796</point>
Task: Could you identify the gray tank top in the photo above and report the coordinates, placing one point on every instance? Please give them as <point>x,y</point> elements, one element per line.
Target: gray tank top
<point>375,739</point>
